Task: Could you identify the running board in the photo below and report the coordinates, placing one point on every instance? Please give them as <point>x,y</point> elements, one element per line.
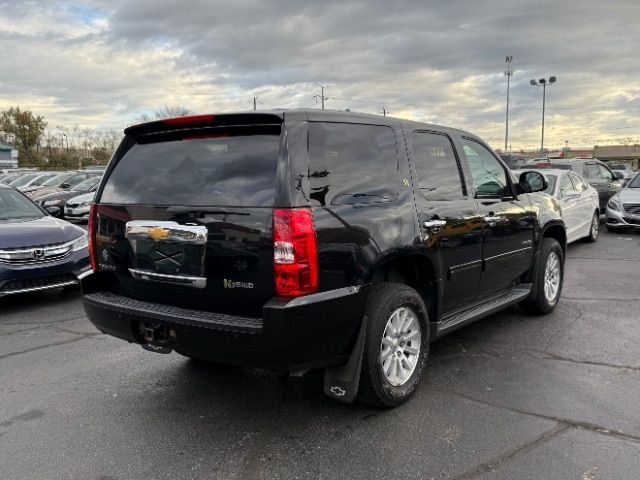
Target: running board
<point>457,320</point>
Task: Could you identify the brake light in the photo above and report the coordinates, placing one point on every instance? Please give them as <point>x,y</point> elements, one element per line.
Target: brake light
<point>91,231</point>
<point>295,252</point>
<point>189,119</point>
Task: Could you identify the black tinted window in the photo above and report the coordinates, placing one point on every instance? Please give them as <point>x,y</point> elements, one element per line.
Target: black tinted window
<point>352,164</point>
<point>436,166</point>
<point>223,169</point>
<point>489,176</point>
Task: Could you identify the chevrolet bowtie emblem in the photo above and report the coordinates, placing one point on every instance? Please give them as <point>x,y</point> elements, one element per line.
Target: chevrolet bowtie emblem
<point>158,233</point>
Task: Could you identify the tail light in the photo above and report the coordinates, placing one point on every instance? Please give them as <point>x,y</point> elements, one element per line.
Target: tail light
<point>295,252</point>
<point>91,231</point>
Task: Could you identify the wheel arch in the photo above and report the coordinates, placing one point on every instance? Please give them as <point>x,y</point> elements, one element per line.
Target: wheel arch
<point>555,230</point>
<point>416,271</point>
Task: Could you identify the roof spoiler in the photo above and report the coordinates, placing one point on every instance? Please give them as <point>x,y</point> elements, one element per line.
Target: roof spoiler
<point>203,121</point>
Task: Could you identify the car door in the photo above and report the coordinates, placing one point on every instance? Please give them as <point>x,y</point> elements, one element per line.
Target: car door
<point>569,199</point>
<point>593,174</point>
<point>507,221</point>
<point>587,204</point>
<point>612,184</point>
<point>449,217</point>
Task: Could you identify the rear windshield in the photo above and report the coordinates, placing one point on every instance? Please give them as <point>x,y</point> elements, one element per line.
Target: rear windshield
<point>236,167</point>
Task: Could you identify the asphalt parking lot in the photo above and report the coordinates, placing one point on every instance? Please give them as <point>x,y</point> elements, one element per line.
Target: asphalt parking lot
<point>510,397</point>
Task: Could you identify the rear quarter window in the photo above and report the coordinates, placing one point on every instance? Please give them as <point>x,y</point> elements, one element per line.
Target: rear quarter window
<point>352,164</point>
<point>236,167</point>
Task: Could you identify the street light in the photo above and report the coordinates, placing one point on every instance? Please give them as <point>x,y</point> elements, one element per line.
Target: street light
<point>543,82</point>
<point>508,72</point>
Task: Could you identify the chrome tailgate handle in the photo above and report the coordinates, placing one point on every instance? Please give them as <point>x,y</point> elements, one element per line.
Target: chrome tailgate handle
<point>167,231</point>
<point>434,223</point>
<point>184,280</point>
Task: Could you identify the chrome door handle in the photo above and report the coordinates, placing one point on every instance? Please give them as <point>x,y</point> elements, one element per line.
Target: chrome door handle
<point>492,219</point>
<point>434,223</point>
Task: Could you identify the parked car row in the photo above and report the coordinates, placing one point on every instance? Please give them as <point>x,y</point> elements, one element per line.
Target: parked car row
<point>55,189</point>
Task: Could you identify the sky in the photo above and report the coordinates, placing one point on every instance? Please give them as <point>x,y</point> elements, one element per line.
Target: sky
<point>104,63</point>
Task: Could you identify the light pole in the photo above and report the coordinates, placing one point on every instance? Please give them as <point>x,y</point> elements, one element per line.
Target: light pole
<point>508,72</point>
<point>543,83</point>
<point>321,97</point>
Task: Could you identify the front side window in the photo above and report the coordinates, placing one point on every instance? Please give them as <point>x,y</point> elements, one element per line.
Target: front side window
<point>489,177</point>
<point>606,173</point>
<point>351,164</point>
<point>436,166</point>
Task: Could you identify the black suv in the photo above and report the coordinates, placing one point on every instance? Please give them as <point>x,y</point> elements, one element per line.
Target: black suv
<point>294,240</point>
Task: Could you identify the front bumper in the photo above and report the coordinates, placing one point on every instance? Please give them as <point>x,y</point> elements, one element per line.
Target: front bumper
<point>314,331</point>
<point>622,219</point>
<point>15,279</point>
<point>78,213</point>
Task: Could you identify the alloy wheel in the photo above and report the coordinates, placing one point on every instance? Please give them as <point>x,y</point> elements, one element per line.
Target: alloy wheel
<point>400,346</point>
<point>552,277</point>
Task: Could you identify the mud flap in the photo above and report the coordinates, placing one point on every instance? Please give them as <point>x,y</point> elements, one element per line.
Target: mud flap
<point>341,383</point>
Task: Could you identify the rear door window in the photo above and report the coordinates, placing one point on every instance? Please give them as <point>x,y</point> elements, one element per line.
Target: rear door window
<point>436,166</point>
<point>352,164</point>
<point>577,181</point>
<point>234,167</point>
<point>591,170</point>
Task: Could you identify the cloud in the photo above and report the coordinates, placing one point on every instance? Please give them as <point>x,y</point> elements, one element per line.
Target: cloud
<point>101,64</point>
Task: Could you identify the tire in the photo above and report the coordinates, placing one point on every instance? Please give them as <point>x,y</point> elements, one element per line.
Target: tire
<point>593,229</point>
<point>387,305</point>
<point>544,302</point>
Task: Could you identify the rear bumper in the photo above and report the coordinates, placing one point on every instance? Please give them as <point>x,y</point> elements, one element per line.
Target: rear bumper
<point>615,218</point>
<point>314,331</point>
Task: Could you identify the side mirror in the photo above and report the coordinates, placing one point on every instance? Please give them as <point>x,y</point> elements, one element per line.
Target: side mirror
<point>53,210</point>
<point>619,175</point>
<point>532,182</point>
<point>65,186</point>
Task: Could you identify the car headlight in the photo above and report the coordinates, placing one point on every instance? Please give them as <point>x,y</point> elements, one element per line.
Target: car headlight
<point>80,243</point>
<point>50,203</point>
<point>614,204</point>
<point>85,204</point>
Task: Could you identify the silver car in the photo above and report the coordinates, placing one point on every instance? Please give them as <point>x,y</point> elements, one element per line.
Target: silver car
<point>578,201</point>
<point>623,209</point>
<point>77,208</point>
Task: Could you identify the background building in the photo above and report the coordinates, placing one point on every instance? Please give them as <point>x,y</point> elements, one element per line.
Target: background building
<point>8,156</point>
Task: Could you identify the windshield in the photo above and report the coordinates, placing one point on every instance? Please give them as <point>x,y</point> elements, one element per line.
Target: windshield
<point>8,179</point>
<point>41,179</point>
<point>55,181</point>
<point>86,185</point>
<point>22,181</point>
<point>13,205</point>
<point>231,168</point>
<point>635,183</point>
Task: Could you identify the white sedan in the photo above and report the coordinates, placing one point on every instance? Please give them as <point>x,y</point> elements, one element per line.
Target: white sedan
<point>578,202</point>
